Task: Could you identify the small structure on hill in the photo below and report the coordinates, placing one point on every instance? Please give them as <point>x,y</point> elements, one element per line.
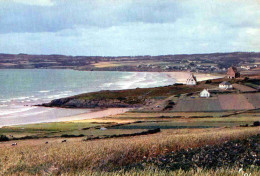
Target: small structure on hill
<point>205,93</point>
<point>232,73</point>
<point>191,80</point>
<point>225,85</point>
<point>103,128</point>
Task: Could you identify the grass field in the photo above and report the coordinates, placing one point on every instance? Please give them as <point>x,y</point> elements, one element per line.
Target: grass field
<point>128,125</point>
<point>32,157</point>
<point>152,115</point>
<point>112,156</point>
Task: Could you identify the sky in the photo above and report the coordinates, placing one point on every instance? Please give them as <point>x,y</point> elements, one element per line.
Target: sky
<point>129,27</point>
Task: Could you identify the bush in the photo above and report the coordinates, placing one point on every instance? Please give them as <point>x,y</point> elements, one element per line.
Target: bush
<point>4,138</point>
<point>71,135</point>
<point>256,123</point>
<point>208,81</point>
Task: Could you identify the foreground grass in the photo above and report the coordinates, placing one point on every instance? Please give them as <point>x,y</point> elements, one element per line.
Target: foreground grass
<point>34,157</point>
<point>155,171</point>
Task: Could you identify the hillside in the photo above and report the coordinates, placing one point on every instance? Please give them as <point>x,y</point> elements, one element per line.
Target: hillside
<point>176,97</point>
<point>204,63</point>
<point>121,98</point>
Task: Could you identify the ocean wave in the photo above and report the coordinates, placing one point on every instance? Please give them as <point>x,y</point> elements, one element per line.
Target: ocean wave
<point>107,85</point>
<point>59,95</point>
<point>21,98</point>
<point>44,91</point>
<point>5,101</point>
<point>144,80</point>
<point>30,112</point>
<point>14,110</point>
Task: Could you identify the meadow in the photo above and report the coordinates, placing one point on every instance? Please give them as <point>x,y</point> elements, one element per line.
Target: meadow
<point>32,157</point>
<point>115,156</point>
<point>131,122</point>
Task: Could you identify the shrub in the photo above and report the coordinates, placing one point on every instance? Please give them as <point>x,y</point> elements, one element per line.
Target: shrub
<point>71,135</point>
<point>4,138</point>
<point>256,123</point>
<point>208,81</point>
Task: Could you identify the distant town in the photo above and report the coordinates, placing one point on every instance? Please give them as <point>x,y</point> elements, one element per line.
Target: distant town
<point>246,62</point>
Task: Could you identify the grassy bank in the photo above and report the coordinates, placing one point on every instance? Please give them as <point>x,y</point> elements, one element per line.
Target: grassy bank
<point>32,157</point>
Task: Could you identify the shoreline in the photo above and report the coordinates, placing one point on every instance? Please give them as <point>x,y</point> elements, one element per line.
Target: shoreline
<point>179,77</point>
<point>92,114</point>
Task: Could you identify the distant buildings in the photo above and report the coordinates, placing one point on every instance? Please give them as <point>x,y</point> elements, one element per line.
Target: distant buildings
<point>205,93</point>
<point>191,80</point>
<point>245,67</point>
<point>232,73</point>
<point>225,85</point>
<point>248,67</point>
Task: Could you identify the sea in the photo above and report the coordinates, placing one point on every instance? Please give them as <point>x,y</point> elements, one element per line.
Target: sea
<point>22,89</point>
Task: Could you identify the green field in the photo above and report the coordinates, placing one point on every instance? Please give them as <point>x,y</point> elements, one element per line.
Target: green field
<point>132,122</point>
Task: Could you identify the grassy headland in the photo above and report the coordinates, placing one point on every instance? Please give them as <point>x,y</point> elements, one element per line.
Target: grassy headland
<point>122,98</point>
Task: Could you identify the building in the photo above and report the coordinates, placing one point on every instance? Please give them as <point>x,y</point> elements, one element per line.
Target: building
<point>225,85</point>
<point>245,67</point>
<point>232,73</point>
<point>205,93</point>
<point>191,80</point>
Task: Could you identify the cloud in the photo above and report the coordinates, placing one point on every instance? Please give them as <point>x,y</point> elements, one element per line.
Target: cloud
<point>31,2</point>
<point>17,17</point>
<point>130,27</point>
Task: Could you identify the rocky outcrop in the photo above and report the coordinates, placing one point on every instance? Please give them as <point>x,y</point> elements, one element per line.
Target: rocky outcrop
<point>85,103</point>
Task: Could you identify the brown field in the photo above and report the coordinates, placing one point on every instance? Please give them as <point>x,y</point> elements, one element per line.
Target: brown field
<point>225,102</point>
<point>243,88</point>
<point>106,64</point>
<point>31,157</point>
<point>198,105</point>
<point>254,99</point>
<point>234,102</point>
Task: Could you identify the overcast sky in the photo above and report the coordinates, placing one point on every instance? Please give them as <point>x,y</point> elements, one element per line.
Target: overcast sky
<point>129,27</point>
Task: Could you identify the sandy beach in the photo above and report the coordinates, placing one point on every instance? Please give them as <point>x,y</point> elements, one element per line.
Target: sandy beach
<point>95,114</point>
<point>181,77</point>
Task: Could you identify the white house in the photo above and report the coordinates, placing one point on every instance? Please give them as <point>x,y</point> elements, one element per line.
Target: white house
<point>205,93</point>
<point>225,85</point>
<point>191,80</point>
